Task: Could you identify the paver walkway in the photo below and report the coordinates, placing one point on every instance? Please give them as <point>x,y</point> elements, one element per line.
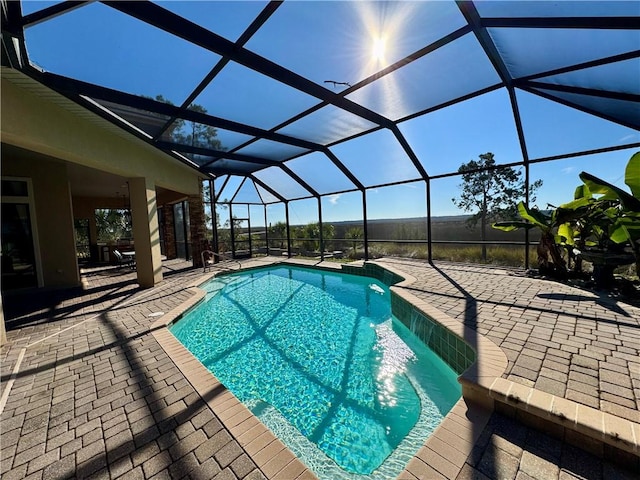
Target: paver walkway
<point>91,394</point>
<point>97,397</point>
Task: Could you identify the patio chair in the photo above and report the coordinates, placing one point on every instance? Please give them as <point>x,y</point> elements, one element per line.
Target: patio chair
<point>124,260</point>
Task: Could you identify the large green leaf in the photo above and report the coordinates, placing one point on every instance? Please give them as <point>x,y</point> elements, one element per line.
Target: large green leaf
<point>627,228</point>
<point>577,203</point>
<point>511,226</point>
<point>582,191</point>
<point>632,174</point>
<point>566,233</point>
<point>536,217</point>
<point>576,210</point>
<point>610,192</point>
<point>619,234</point>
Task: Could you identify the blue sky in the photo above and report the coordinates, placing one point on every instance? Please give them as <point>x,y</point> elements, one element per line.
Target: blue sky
<point>334,40</point>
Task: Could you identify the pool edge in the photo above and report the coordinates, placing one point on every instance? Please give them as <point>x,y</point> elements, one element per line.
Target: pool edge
<point>269,454</point>
<point>483,386</point>
<point>445,452</point>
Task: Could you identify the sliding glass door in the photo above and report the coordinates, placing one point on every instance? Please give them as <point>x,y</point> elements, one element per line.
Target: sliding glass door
<point>19,260</point>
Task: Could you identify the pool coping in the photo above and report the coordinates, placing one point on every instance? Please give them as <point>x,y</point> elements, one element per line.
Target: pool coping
<point>444,453</point>
<point>482,383</point>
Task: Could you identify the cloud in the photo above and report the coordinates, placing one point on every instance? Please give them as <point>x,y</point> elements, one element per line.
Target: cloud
<point>630,137</point>
<point>568,170</point>
<point>333,199</point>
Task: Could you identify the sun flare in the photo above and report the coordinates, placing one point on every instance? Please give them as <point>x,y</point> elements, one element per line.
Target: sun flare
<point>378,48</point>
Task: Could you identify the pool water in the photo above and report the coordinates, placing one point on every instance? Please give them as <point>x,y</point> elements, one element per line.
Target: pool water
<point>319,358</point>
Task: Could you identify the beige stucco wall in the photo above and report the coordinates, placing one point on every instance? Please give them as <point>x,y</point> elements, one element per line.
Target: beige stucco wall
<point>36,124</point>
<point>39,120</point>
<point>54,217</point>
<point>167,197</point>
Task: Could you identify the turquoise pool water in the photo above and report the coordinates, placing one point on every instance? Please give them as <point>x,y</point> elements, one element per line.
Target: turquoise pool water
<point>319,358</point>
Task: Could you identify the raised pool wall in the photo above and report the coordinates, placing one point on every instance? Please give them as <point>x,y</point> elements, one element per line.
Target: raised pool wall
<point>457,353</point>
<point>481,370</point>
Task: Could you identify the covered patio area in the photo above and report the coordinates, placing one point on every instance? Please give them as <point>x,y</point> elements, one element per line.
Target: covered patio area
<point>89,391</point>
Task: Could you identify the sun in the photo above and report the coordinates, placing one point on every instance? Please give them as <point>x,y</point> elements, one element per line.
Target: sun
<point>378,48</point>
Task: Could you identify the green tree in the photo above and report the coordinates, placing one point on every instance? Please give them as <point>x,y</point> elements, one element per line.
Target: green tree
<point>215,214</point>
<point>223,228</point>
<point>188,132</point>
<point>356,234</point>
<point>328,234</point>
<point>278,233</point>
<point>490,192</point>
<point>175,125</point>
<point>81,229</point>
<point>112,225</point>
<point>196,134</point>
<point>310,235</point>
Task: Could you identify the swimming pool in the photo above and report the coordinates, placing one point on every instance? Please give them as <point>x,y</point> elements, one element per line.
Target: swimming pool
<point>319,358</point>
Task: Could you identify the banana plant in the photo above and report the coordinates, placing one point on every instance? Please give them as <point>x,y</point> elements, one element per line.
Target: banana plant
<point>601,215</point>
<point>614,216</point>
<point>554,231</point>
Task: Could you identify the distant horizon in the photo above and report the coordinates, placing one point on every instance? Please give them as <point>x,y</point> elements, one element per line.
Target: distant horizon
<point>406,219</point>
<point>434,219</point>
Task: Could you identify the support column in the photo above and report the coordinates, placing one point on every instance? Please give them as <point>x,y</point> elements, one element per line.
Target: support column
<point>169,232</point>
<point>144,212</point>
<point>429,232</point>
<point>197,228</point>
<point>365,225</point>
<point>286,212</point>
<point>320,228</point>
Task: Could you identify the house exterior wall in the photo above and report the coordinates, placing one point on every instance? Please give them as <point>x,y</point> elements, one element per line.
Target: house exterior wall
<point>54,217</point>
<point>36,124</point>
<point>60,130</point>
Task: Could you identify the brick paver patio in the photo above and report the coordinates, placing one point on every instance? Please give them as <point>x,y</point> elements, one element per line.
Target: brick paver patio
<point>87,391</point>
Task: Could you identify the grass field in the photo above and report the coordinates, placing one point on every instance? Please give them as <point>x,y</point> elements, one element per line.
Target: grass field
<point>407,238</point>
<point>512,256</point>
